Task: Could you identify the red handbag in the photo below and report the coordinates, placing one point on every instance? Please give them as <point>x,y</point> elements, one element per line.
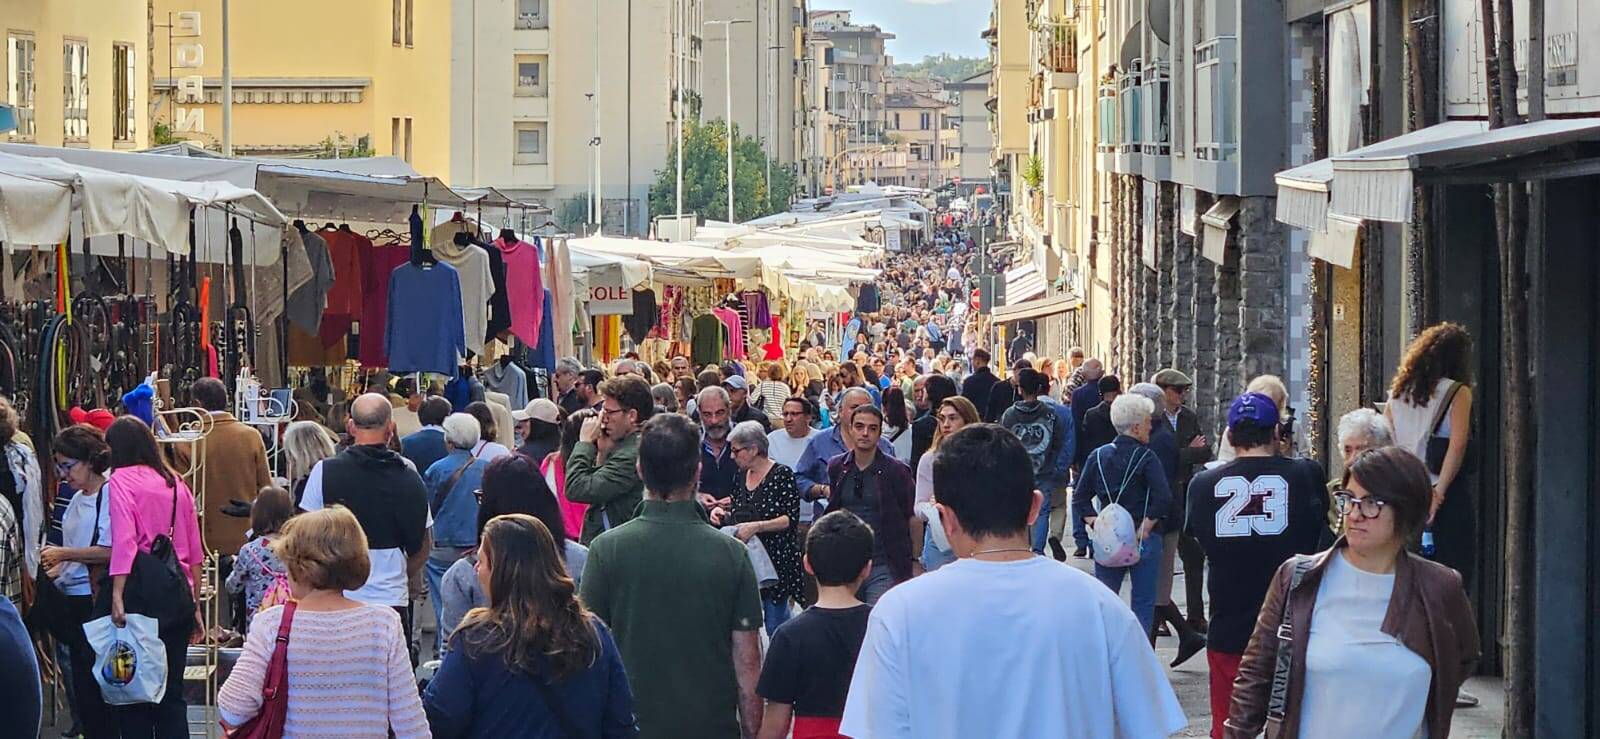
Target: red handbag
<point>268,723</point>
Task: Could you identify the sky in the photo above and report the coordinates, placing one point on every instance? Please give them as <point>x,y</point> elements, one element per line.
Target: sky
<point>922,27</point>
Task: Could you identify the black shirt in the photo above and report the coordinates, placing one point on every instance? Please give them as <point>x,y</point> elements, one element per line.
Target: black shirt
<point>811,659</point>
<point>1250,516</point>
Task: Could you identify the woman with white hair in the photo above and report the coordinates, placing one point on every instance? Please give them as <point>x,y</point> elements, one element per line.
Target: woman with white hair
<point>766,503</point>
<point>1127,473</point>
<point>305,443</point>
<point>1360,430</point>
<point>453,484</point>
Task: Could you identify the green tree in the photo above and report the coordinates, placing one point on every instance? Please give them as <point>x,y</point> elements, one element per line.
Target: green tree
<point>705,173</point>
<point>944,67</point>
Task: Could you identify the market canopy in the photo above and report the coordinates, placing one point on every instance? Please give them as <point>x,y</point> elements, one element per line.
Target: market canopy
<point>110,203</point>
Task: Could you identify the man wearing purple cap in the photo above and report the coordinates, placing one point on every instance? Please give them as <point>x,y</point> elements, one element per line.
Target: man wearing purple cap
<point>1250,515</point>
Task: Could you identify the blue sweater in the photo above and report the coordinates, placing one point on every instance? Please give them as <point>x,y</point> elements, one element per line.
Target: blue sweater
<point>21,701</point>
<point>480,696</point>
<point>425,331</point>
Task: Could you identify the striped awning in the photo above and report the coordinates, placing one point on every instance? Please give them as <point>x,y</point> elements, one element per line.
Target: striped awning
<point>1023,283</point>
<point>1303,194</point>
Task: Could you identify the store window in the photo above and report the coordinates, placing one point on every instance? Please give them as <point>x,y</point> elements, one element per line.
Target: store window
<point>530,76</point>
<point>21,82</point>
<point>530,144</point>
<point>75,91</point>
<point>123,85</point>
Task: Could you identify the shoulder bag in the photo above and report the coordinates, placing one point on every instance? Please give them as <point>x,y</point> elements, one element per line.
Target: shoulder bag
<point>269,722</point>
<point>157,586</point>
<point>1438,445</point>
<point>1278,699</point>
<point>443,492</point>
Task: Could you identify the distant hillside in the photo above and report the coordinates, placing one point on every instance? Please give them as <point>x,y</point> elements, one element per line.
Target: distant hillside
<point>944,67</point>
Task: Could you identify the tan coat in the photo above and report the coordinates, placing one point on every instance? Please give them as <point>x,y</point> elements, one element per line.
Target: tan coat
<point>235,469</point>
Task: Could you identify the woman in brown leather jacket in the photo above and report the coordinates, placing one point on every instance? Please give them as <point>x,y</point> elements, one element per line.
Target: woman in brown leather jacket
<point>1379,640</point>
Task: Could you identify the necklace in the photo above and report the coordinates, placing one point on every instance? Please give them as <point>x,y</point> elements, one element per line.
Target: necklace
<point>1000,550</point>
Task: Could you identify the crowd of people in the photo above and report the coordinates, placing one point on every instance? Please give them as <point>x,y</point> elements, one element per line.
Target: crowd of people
<point>864,540</point>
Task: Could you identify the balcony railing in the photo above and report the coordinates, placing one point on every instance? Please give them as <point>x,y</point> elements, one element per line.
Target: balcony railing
<point>1215,130</point>
<point>1156,83</point>
<point>1107,110</point>
<point>1130,95</point>
<point>1057,42</point>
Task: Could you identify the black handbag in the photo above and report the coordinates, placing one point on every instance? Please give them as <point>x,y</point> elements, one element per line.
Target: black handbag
<point>157,586</point>
<point>52,609</point>
<point>1438,446</point>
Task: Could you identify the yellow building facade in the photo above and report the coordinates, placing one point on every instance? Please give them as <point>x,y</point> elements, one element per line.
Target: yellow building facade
<point>77,73</point>
<point>362,76</point>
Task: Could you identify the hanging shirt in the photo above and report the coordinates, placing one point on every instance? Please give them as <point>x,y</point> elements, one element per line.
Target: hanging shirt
<point>424,331</point>
<point>544,353</point>
<point>306,304</point>
<point>645,315</point>
<point>524,284</point>
<point>477,287</point>
<point>345,298</point>
<point>709,334</point>
<point>381,261</point>
<point>506,377</point>
<point>734,341</point>
<point>499,300</point>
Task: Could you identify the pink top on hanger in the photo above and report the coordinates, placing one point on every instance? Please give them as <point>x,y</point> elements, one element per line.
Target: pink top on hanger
<point>525,286</point>
<point>730,318</point>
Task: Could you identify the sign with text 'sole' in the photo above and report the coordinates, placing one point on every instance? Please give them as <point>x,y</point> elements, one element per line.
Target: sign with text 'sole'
<point>608,294</point>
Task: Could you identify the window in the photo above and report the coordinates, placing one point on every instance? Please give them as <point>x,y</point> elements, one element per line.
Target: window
<point>916,152</point>
<point>530,76</point>
<point>927,121</point>
<point>75,90</point>
<point>530,14</point>
<point>396,146</point>
<point>530,144</point>
<point>408,140</point>
<point>896,122</point>
<point>123,84</point>
<point>20,83</point>
<point>398,21</point>
<point>411,17</point>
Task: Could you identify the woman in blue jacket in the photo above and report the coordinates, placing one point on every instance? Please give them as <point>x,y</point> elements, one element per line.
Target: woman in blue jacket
<point>535,663</point>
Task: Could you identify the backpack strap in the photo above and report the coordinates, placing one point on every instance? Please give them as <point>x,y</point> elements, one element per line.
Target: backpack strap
<point>1278,699</point>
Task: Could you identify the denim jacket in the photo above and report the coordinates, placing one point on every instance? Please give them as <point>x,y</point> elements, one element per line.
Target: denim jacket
<point>1146,493</point>
<point>455,522</point>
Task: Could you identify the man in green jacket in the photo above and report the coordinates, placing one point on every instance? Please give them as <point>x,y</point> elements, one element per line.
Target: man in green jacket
<point>603,470</point>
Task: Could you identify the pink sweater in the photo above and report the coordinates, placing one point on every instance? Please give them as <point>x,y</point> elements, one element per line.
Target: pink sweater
<point>349,675</point>
<point>141,510</point>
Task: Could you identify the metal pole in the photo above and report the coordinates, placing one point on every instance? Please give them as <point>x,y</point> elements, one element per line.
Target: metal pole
<point>683,48</point>
<point>727,87</point>
<point>599,169</point>
<point>227,85</point>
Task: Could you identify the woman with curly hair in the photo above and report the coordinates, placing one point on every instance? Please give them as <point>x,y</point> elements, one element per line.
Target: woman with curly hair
<point>1431,397</point>
<point>535,661</point>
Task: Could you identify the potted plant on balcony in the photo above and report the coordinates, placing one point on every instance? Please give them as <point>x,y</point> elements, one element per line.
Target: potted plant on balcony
<point>1033,178</point>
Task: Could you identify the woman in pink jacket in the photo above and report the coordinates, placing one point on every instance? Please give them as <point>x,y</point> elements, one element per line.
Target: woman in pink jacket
<point>148,499</point>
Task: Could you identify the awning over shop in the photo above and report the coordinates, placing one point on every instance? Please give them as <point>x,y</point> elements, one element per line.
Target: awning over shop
<point>1217,223</point>
<point>1037,308</point>
<point>1023,283</point>
<point>1303,191</point>
<point>1377,182</point>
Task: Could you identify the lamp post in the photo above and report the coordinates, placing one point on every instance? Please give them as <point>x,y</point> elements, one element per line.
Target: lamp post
<point>227,85</point>
<point>727,86</point>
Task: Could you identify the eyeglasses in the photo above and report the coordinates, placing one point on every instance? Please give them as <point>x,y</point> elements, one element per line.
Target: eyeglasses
<point>62,468</point>
<point>606,412</point>
<point>1369,506</point>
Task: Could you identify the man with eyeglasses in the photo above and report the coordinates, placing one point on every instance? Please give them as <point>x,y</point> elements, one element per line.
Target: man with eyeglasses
<point>1250,515</point>
<point>603,470</point>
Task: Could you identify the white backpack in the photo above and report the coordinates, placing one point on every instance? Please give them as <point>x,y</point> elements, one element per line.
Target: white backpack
<point>1114,537</point>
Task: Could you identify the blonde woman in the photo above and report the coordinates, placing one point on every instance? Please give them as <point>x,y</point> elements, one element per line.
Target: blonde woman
<point>305,443</point>
<point>769,394</point>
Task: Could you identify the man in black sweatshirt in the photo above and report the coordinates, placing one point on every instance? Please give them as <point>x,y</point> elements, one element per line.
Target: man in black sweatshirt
<point>977,386</point>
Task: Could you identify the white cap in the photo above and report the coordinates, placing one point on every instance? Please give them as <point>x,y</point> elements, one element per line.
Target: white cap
<point>539,409</point>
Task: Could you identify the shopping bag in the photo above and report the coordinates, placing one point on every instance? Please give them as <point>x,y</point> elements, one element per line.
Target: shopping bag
<point>760,561</point>
<point>130,662</point>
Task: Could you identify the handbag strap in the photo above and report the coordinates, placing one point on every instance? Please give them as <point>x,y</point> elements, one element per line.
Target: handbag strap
<point>277,670</point>
<point>547,693</point>
<point>99,499</point>
<point>1278,699</point>
<point>449,485</point>
<point>1443,410</point>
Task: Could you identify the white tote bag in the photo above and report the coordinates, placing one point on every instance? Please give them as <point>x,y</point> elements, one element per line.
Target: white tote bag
<point>130,663</point>
<point>1115,538</point>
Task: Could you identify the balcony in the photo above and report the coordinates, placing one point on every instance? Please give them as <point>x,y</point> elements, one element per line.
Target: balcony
<point>1156,90</point>
<point>1056,51</point>
<point>1107,115</point>
<point>1216,130</point>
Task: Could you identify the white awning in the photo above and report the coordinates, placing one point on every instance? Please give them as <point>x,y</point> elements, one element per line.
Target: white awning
<point>1378,183</point>
<point>1217,222</point>
<point>1303,191</point>
<point>1336,242</point>
<point>1037,308</point>
<point>1023,283</point>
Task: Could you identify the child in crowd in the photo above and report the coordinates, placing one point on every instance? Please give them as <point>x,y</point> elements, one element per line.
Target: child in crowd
<point>257,569</point>
<point>807,672</point>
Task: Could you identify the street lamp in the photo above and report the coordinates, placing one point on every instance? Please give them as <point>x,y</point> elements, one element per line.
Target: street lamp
<point>727,79</point>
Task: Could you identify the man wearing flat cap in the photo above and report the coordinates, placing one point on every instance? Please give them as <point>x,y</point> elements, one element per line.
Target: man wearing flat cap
<point>1193,450</point>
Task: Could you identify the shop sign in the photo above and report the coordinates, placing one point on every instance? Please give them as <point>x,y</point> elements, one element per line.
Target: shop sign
<point>188,54</point>
<point>608,296</point>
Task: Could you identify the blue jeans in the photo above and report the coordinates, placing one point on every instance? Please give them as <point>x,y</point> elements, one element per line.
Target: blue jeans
<point>439,561</point>
<point>1144,574</point>
<point>776,612</point>
<point>1041,525</point>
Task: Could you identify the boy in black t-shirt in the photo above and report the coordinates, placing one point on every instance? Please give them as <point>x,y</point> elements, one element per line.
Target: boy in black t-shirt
<point>807,672</point>
<point>1250,515</point>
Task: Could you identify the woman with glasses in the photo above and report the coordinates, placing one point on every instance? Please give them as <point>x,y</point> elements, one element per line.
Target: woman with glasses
<point>532,661</point>
<point>511,485</point>
<point>83,461</point>
<point>952,415</point>
<point>1380,638</point>
<point>766,503</point>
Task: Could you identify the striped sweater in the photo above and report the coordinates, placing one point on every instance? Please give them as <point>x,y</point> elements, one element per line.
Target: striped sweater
<point>349,675</point>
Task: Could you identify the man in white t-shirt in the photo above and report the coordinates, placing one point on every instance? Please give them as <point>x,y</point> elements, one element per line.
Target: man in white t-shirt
<point>1003,642</point>
<point>387,496</point>
<point>785,445</point>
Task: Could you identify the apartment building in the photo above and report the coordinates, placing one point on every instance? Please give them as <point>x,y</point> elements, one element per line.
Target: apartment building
<point>920,126</point>
<point>76,74</point>
<point>761,54</point>
<point>363,76</point>
<point>552,101</point>
<point>858,69</point>
<point>974,142</point>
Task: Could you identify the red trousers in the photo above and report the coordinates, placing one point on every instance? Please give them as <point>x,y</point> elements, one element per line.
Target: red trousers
<point>1224,668</point>
<point>816,727</point>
